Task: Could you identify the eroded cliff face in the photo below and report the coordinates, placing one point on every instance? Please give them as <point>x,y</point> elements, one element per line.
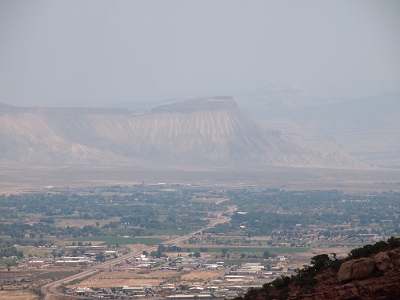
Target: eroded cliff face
<point>373,278</point>
<point>202,131</point>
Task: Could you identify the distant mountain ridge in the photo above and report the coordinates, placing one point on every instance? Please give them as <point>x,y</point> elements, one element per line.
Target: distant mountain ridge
<point>367,128</point>
<point>206,131</point>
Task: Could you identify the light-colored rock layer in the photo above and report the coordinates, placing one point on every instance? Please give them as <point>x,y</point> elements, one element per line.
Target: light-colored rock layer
<point>198,131</point>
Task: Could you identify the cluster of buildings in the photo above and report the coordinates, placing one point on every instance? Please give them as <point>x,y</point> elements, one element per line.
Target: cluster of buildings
<point>89,257</point>
<point>236,281</point>
<point>167,291</point>
<point>141,262</point>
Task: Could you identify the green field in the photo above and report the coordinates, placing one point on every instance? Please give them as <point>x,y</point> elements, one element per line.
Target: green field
<point>54,275</point>
<point>5,261</point>
<point>113,240</point>
<point>149,231</point>
<point>165,231</point>
<point>252,249</point>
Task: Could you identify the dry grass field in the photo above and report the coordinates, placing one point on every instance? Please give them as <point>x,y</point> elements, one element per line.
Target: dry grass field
<point>154,278</point>
<point>300,259</point>
<point>17,295</point>
<point>81,223</point>
<point>209,200</point>
<point>23,178</point>
<point>35,251</point>
<point>127,278</point>
<point>200,276</point>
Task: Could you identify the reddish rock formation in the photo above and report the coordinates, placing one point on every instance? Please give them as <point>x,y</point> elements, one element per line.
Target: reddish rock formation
<point>374,278</point>
<point>356,269</point>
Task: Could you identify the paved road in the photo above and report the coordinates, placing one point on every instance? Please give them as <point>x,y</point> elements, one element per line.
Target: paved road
<point>51,288</point>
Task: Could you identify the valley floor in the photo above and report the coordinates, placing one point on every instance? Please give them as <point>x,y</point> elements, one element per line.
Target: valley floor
<point>18,178</point>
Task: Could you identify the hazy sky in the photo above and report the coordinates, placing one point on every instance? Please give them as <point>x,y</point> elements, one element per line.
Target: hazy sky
<point>103,52</point>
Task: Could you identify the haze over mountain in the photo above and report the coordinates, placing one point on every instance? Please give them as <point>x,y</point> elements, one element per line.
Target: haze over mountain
<point>207,131</point>
<point>367,128</point>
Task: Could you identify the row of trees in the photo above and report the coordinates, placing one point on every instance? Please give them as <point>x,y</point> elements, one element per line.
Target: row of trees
<point>20,230</point>
<point>160,211</point>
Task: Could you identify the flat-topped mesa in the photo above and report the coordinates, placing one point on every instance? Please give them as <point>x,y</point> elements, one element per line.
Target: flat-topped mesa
<point>212,103</point>
<point>209,131</point>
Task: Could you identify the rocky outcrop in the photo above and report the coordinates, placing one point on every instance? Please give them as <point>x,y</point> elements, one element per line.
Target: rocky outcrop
<point>382,261</point>
<point>373,278</point>
<point>356,269</point>
<point>364,267</point>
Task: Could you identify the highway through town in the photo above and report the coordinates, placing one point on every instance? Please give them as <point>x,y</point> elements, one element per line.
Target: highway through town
<point>51,288</point>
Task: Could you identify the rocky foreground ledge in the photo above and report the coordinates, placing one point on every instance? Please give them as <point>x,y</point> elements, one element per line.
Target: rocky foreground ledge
<point>375,277</point>
<point>368,273</point>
